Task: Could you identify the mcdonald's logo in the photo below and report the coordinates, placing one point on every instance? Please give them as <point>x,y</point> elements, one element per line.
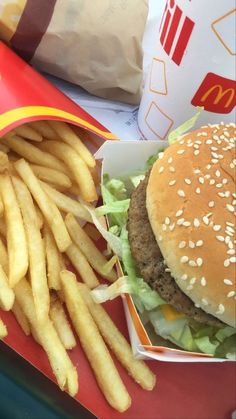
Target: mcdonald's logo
<point>216,93</point>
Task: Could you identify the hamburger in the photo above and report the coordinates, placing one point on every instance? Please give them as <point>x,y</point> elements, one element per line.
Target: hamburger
<point>181,235</point>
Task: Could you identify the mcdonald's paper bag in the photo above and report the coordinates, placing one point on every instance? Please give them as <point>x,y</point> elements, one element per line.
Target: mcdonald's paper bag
<point>193,65</point>
<point>95,44</point>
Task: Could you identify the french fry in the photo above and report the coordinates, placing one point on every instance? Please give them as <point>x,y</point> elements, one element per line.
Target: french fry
<point>93,345</point>
<point>47,206</point>
<point>76,165</point>
<point>1,207</point>
<point>4,162</point>
<point>44,129</point>
<point>28,132</point>
<point>138,370</point>
<point>3,330</point>
<point>66,204</point>
<point>39,217</point>
<point>3,229</point>
<point>21,318</point>
<point>52,176</point>
<point>46,334</point>
<point>53,259</point>
<point>37,262</point>
<point>66,133</point>
<point>6,294</point>
<point>33,153</point>
<point>96,259</point>
<point>4,148</point>
<point>16,238</point>
<point>82,266</point>
<point>61,324</point>
<point>3,257</point>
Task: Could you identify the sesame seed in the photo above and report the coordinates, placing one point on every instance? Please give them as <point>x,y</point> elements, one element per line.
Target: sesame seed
<point>172,169</point>
<point>201,180</point>
<point>203,281</point>
<point>172,226</point>
<point>172,182</point>
<point>192,281</point>
<point>180,221</point>
<point>199,261</point>
<point>197,171</point>
<point>184,259</point>
<point>230,229</point>
<point>230,252</point>
<point>230,207</point>
<point>232,259</point>
<point>188,181</point>
<point>189,287</point>
<point>219,185</point>
<point>221,309</point>
<point>217,173</point>
<point>196,222</point>
<point>170,159</point>
<point>180,151</point>
<point>199,243</point>
<point>216,227</point>
<point>228,282</point>
<point>221,194</point>
<point>231,166</point>
<point>204,301</point>
<point>167,270</point>
<point>191,244</point>
<point>225,181</point>
<point>192,263</point>
<point>160,155</point>
<point>178,213</point>
<point>212,182</point>
<point>227,239</point>
<point>211,204</point>
<point>181,193</point>
<point>215,161</point>
<point>205,220</point>
<point>186,224</point>
<point>182,142</point>
<point>196,152</point>
<point>220,238</point>
<point>182,244</point>
<point>164,227</point>
<point>208,141</point>
<point>167,221</point>
<point>226,263</point>
<point>161,169</point>
<point>231,294</point>
<point>184,277</point>
<point>208,166</point>
<point>198,190</point>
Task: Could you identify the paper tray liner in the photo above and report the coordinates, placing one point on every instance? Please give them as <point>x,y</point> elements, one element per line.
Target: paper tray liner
<point>26,96</point>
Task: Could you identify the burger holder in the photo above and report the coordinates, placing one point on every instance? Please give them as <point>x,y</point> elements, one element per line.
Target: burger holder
<point>26,96</point>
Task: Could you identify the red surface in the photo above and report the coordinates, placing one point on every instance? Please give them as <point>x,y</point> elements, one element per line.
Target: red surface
<point>191,391</point>
<point>21,85</point>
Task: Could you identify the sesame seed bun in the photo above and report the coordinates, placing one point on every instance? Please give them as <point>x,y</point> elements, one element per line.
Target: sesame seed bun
<point>190,201</point>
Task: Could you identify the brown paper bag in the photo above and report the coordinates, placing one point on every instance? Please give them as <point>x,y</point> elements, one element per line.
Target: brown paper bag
<point>93,43</point>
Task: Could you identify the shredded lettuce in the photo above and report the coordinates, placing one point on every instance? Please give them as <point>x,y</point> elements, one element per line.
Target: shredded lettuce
<point>185,127</point>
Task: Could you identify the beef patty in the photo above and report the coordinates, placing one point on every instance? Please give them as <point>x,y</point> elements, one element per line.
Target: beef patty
<point>150,262</point>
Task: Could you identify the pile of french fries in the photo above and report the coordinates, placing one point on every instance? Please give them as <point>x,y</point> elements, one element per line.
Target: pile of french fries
<point>44,169</point>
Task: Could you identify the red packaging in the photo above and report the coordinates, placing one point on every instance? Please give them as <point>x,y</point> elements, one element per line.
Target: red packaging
<point>193,391</point>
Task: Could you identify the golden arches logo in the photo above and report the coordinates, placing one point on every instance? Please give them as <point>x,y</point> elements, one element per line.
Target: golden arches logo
<point>220,94</point>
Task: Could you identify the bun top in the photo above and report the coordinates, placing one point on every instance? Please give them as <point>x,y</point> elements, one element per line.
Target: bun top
<point>191,207</point>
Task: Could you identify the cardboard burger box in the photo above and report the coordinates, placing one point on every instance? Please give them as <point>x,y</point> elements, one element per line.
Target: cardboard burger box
<point>26,96</point>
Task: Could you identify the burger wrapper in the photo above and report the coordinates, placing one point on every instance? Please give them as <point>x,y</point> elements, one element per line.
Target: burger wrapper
<point>193,65</point>
<point>96,45</point>
<point>123,159</point>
